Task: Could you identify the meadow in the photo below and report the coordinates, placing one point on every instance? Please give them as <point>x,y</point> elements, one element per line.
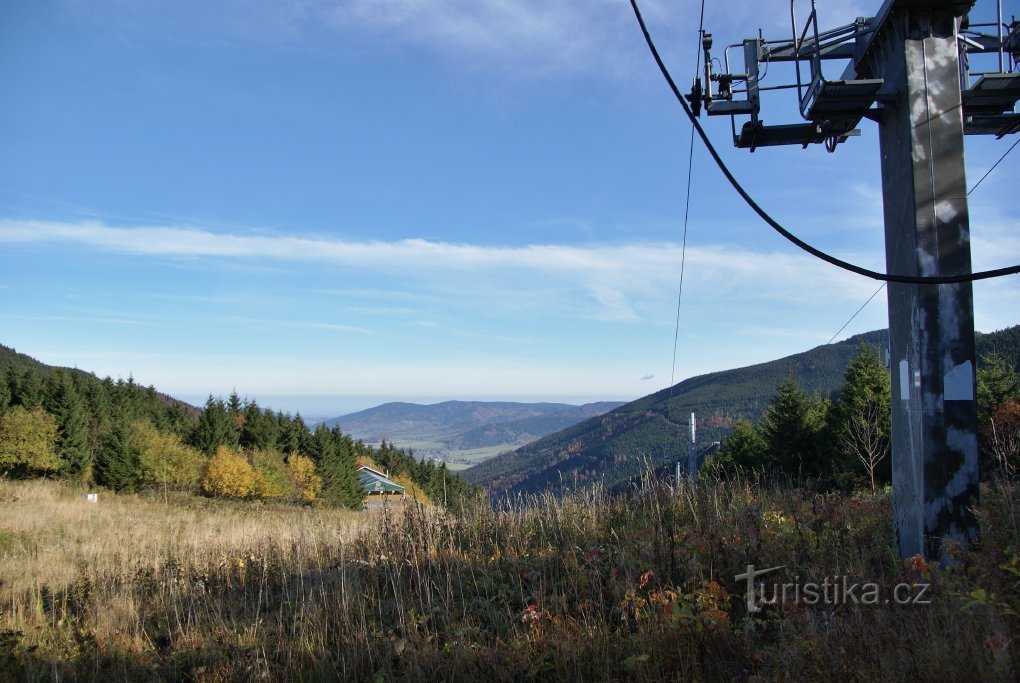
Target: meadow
<point>581,587</point>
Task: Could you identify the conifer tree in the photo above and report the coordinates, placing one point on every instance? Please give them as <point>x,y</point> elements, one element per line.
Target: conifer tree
<point>214,428</point>
<point>235,412</point>
<point>63,402</point>
<point>9,384</point>
<point>260,429</point>
<point>335,463</point>
<point>98,410</point>
<point>295,435</point>
<point>177,420</point>
<point>28,389</point>
<point>116,465</point>
<point>791,430</point>
<point>744,448</point>
<point>234,404</point>
<point>860,420</point>
<point>5,395</point>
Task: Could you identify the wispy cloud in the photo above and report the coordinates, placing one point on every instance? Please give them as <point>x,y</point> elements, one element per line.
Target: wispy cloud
<point>515,34</point>
<point>330,326</point>
<point>616,278</point>
<point>302,324</point>
<point>89,319</point>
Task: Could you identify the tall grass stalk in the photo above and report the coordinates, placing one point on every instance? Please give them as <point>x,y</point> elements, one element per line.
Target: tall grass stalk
<point>582,587</point>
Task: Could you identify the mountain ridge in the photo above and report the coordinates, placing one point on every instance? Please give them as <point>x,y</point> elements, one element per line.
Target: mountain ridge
<point>652,430</point>
<point>448,429</point>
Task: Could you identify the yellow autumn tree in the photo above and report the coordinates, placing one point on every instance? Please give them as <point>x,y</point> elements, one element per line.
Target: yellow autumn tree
<point>164,458</point>
<point>306,481</point>
<point>27,441</point>
<point>272,478</point>
<point>229,474</point>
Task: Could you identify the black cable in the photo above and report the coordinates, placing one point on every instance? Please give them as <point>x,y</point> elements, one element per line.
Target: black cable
<point>856,314</point>
<point>817,253</point>
<point>683,261</point>
<point>989,171</point>
<point>683,249</point>
<point>687,211</point>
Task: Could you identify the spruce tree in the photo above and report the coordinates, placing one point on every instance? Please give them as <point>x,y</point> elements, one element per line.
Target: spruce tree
<point>743,449</point>
<point>63,402</point>
<point>336,465</point>
<point>28,389</point>
<point>860,422</point>
<point>176,419</point>
<point>116,464</point>
<point>260,429</point>
<point>791,429</point>
<point>99,410</point>
<point>214,428</point>
<point>295,436</point>
<point>9,384</point>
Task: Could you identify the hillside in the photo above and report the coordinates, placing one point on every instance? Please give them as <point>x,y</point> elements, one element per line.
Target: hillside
<point>457,431</point>
<point>11,360</point>
<point>66,423</point>
<point>653,430</point>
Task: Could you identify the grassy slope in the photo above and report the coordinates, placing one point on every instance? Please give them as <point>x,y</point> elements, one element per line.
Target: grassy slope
<point>583,588</point>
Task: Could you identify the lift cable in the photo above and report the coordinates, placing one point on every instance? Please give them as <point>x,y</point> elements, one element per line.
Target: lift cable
<point>817,253</point>
<point>687,210</point>
<point>683,248</point>
<point>989,171</point>
<point>857,313</point>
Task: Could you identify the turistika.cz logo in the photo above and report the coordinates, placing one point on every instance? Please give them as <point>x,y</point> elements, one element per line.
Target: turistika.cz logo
<point>831,591</point>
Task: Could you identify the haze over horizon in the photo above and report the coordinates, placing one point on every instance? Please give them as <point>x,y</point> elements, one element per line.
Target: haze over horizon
<point>349,202</point>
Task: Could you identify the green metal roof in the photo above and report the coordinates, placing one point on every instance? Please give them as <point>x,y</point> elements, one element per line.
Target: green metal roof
<point>375,482</point>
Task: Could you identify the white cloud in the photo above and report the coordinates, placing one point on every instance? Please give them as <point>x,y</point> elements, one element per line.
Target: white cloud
<point>516,38</point>
<point>613,275</point>
<point>627,283</point>
<point>93,320</point>
<point>515,35</point>
<point>566,34</point>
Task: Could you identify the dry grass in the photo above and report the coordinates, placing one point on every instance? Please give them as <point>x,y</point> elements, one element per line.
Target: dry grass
<point>49,533</point>
<point>584,588</point>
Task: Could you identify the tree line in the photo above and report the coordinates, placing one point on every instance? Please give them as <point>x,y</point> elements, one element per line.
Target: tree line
<point>844,441</point>
<point>123,436</point>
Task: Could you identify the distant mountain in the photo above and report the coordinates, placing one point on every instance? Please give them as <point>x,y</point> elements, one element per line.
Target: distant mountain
<point>653,430</point>
<point>447,429</point>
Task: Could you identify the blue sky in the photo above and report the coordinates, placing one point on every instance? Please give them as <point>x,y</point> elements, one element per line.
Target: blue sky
<point>328,204</point>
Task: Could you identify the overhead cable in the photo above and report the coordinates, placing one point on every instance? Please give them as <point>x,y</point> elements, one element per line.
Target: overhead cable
<point>687,211</point>
<point>857,313</point>
<point>989,171</point>
<point>839,263</point>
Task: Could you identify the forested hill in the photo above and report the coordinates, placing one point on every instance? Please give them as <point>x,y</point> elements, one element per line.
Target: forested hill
<point>653,430</point>
<point>70,424</point>
<point>19,363</point>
